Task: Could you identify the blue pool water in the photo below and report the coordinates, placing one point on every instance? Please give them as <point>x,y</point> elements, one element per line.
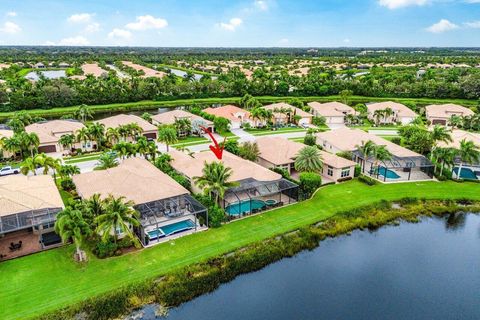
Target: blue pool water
<point>244,206</point>
<point>466,173</point>
<point>171,229</point>
<point>389,173</point>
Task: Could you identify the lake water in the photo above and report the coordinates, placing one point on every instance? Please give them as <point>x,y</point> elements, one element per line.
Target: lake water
<point>429,270</point>
<point>50,74</point>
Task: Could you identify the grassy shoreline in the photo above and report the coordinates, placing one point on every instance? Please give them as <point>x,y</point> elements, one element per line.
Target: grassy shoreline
<point>152,105</point>
<point>47,281</point>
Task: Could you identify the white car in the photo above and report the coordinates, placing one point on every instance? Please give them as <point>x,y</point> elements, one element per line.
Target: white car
<point>5,171</point>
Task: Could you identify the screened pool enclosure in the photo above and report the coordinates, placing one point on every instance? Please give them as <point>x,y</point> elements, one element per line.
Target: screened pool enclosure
<point>253,196</point>
<point>162,218</point>
<point>396,169</point>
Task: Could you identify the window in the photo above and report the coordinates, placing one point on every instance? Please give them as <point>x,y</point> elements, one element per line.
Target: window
<point>345,172</point>
<point>330,171</point>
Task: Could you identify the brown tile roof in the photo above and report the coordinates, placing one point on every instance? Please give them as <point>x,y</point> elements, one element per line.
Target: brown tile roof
<point>347,139</point>
<point>136,179</point>
<point>50,131</point>
<point>19,193</point>
<point>169,117</point>
<point>241,168</point>
<point>446,110</point>
<point>331,109</point>
<point>124,119</point>
<point>400,109</point>
<point>335,161</point>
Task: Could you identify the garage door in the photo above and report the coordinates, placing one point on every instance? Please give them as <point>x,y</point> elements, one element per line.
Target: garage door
<point>150,135</point>
<point>47,149</point>
<point>439,121</point>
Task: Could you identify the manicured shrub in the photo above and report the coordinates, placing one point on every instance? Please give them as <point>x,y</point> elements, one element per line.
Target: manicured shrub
<point>358,170</point>
<point>397,140</point>
<point>67,184</point>
<point>309,183</point>
<point>216,216</point>
<point>231,146</point>
<point>105,249</point>
<point>319,121</point>
<point>221,124</point>
<point>367,180</point>
<point>310,140</point>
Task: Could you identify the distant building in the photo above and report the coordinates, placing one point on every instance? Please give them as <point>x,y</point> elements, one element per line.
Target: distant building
<point>333,112</point>
<point>441,114</point>
<point>400,113</point>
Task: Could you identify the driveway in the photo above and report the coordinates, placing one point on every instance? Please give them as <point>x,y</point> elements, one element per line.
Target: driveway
<point>243,135</point>
<point>384,132</point>
<point>336,125</point>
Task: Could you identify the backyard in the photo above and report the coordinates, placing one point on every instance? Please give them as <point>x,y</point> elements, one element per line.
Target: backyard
<point>47,281</point>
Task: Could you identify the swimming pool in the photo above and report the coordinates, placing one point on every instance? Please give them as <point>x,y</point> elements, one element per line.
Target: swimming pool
<point>466,173</point>
<point>389,173</point>
<point>171,229</point>
<point>244,206</point>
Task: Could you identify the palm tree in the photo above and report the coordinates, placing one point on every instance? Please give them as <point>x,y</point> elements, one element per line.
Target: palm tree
<point>70,224</point>
<point>83,136</point>
<point>30,164</point>
<point>309,159</point>
<point>123,149</point>
<point>105,161</point>
<point>468,153</point>
<point>387,113</point>
<point>68,170</point>
<point>167,135</point>
<point>11,144</point>
<point>142,146</point>
<point>214,180</point>
<point>455,121</point>
<point>147,117</point>
<point>134,129</point>
<point>118,218</point>
<point>380,154</point>
<point>29,142</point>
<point>249,151</point>
<point>50,163</point>
<point>112,135</point>
<point>377,114</point>
<point>183,126</point>
<point>96,131</point>
<point>446,156</point>
<point>83,113</point>
<point>440,133</point>
<point>123,131</point>
<point>366,149</point>
<point>67,141</point>
<point>16,125</point>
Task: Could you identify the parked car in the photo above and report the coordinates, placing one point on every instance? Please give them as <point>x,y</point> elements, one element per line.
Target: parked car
<point>5,171</point>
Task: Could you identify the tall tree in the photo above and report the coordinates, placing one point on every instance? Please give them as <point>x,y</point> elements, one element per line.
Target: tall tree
<point>468,153</point>
<point>214,180</point>
<point>83,113</point>
<point>70,224</point>
<point>118,218</point>
<point>167,135</point>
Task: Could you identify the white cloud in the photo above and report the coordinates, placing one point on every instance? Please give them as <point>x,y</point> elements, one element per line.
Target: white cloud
<point>283,41</point>
<point>92,27</point>
<point>74,41</point>
<point>49,43</point>
<point>11,14</point>
<point>120,34</point>
<point>395,4</point>
<point>442,26</point>
<point>10,28</point>
<point>261,5</point>
<point>80,18</point>
<point>147,22</point>
<point>346,40</point>
<point>231,25</point>
<point>473,24</point>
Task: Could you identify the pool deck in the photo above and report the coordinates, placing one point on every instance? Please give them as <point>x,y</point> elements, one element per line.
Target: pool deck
<point>175,236</point>
<point>416,175</point>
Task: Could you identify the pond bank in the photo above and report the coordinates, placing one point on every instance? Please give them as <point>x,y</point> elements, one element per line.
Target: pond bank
<point>185,284</point>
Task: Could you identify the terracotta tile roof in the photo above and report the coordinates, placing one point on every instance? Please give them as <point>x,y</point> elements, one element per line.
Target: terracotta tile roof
<point>51,131</point>
<point>400,109</point>
<point>446,110</point>
<point>331,109</point>
<point>228,112</point>
<point>284,105</point>
<point>136,179</point>
<point>124,119</point>
<point>458,136</point>
<point>347,139</point>
<point>19,193</point>
<point>241,168</point>
<point>169,117</point>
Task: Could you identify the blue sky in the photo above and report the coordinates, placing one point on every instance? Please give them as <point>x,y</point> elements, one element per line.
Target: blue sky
<point>244,23</point>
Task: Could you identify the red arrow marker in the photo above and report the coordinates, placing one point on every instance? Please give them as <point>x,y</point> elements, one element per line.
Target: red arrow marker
<point>216,149</point>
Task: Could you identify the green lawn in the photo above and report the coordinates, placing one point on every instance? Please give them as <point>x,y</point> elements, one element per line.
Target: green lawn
<point>190,141</point>
<point>264,132</point>
<point>49,280</point>
<point>83,158</point>
<point>151,105</point>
